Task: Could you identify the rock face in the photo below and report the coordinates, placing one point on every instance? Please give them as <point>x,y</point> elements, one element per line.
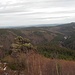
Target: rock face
<point>3,68</point>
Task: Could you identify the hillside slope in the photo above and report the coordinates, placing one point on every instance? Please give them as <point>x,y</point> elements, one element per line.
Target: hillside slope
<point>51,46</point>
<point>39,65</point>
<point>62,34</point>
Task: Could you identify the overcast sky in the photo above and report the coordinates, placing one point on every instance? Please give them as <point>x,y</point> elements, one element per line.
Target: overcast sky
<point>30,12</point>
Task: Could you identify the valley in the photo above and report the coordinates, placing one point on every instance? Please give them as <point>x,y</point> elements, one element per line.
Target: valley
<point>48,50</point>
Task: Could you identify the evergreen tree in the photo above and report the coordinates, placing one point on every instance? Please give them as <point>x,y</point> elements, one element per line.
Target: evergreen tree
<point>20,45</point>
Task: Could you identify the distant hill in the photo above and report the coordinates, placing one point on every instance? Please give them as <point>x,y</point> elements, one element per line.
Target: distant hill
<point>39,34</point>
<point>42,50</point>
<point>62,35</point>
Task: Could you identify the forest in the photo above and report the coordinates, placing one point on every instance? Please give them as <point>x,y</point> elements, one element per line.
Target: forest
<point>38,50</point>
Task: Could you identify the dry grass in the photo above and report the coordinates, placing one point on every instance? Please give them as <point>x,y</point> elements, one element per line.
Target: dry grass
<point>39,65</point>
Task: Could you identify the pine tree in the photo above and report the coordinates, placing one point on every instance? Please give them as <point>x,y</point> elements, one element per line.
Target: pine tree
<point>20,45</point>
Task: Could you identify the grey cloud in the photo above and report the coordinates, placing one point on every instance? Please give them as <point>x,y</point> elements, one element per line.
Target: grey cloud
<point>50,18</point>
<point>31,4</point>
<point>24,12</point>
<point>60,12</point>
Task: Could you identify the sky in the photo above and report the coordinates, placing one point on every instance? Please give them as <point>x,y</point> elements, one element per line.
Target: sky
<point>33,12</point>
